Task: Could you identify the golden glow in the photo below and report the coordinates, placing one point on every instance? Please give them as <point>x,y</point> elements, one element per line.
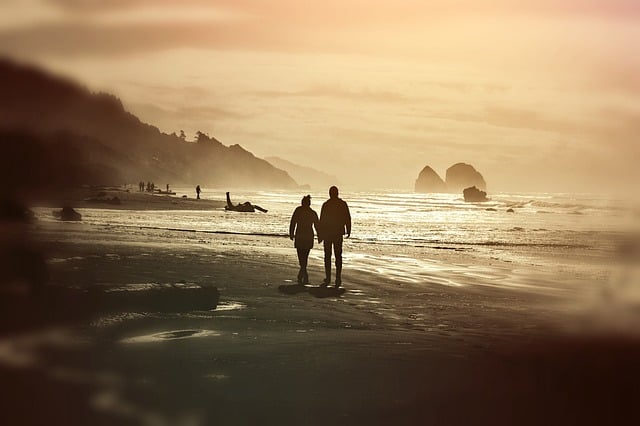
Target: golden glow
<point>538,95</point>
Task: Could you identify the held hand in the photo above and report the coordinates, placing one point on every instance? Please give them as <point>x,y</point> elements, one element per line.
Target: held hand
<point>291,237</point>
<point>348,235</point>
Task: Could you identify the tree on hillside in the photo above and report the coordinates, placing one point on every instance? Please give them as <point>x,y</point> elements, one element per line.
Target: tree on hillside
<point>202,137</point>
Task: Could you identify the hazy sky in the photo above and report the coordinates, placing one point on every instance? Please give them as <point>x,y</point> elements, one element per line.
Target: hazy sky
<point>537,94</point>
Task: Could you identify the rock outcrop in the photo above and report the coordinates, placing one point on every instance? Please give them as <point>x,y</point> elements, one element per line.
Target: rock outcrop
<point>474,195</point>
<point>429,181</point>
<point>462,175</point>
<point>67,214</point>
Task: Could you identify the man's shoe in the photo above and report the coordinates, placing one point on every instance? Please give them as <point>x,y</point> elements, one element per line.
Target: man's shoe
<point>325,282</point>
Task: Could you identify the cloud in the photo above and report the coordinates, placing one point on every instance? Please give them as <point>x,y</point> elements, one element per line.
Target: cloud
<point>81,39</point>
<point>87,27</point>
<point>380,10</point>
<point>187,118</point>
<point>530,119</point>
<point>91,6</point>
<point>364,95</point>
<point>194,113</point>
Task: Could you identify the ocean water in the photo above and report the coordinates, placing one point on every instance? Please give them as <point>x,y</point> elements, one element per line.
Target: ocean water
<point>550,242</point>
<point>402,221</point>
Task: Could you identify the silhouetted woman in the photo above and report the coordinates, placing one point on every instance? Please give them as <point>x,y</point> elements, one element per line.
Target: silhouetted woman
<point>303,221</point>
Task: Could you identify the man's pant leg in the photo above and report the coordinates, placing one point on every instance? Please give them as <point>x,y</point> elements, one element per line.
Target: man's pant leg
<point>327,260</point>
<point>337,248</point>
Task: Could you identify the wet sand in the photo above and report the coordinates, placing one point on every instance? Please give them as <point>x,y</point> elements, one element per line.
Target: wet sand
<point>452,340</point>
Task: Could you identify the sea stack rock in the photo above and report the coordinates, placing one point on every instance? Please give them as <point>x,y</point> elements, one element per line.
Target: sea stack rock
<point>461,175</point>
<point>429,181</point>
<point>474,195</point>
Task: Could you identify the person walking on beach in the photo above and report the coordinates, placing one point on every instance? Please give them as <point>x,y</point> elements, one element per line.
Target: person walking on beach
<point>198,192</point>
<point>335,222</point>
<point>303,220</point>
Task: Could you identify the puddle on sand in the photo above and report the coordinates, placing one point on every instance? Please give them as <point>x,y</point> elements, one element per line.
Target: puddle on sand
<point>65,259</point>
<point>214,376</point>
<point>170,335</point>
<point>229,306</point>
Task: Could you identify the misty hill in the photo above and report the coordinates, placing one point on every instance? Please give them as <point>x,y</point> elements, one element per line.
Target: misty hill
<point>303,174</point>
<point>69,135</point>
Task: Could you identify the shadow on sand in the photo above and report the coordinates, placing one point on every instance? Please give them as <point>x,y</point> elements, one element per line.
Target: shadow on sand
<point>319,292</point>
<point>292,289</point>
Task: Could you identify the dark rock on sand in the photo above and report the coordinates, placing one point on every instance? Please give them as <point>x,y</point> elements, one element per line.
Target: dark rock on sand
<point>177,297</point>
<point>461,175</point>
<point>474,195</point>
<point>510,211</point>
<point>67,214</point>
<point>429,181</point>
<point>491,209</point>
<point>53,304</point>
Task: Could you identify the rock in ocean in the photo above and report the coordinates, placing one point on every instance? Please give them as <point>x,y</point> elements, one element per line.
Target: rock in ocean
<point>429,181</point>
<point>462,175</point>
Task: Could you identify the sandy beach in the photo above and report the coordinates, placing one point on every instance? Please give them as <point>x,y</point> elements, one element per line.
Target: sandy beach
<point>132,199</point>
<point>469,341</point>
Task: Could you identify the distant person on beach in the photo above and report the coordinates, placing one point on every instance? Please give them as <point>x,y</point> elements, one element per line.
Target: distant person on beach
<point>335,221</point>
<point>303,220</point>
<point>198,192</point>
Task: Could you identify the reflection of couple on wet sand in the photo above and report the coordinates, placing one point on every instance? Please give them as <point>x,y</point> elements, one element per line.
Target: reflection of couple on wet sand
<point>334,223</point>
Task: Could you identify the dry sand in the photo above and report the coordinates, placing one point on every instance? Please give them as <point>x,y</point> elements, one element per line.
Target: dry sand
<point>387,351</point>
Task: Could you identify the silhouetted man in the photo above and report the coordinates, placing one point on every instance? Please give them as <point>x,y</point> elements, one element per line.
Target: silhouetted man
<point>198,192</point>
<point>335,221</point>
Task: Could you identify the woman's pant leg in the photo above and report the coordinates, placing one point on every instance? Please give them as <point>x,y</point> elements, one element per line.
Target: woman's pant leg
<point>303,259</point>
